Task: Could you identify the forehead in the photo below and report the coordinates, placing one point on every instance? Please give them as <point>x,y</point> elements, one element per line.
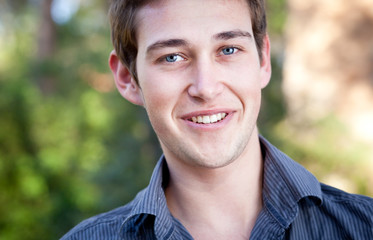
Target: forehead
<point>191,18</point>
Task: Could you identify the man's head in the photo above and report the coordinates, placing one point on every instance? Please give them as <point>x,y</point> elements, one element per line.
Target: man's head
<point>123,28</point>
<point>199,76</point>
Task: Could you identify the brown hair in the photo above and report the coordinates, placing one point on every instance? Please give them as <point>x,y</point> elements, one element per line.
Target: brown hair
<point>122,15</point>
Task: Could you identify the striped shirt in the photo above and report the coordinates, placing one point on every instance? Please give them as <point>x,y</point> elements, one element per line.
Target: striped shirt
<point>295,206</point>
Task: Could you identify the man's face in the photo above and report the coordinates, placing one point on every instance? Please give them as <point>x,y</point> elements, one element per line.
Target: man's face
<point>200,78</point>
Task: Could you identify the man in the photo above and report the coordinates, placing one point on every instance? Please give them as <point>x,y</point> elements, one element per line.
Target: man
<point>198,68</point>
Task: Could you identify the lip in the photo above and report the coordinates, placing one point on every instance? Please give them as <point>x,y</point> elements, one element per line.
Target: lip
<point>205,113</point>
<point>209,126</point>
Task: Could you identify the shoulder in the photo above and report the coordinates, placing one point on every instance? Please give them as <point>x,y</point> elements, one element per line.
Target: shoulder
<point>103,226</point>
<point>337,215</point>
<point>336,200</point>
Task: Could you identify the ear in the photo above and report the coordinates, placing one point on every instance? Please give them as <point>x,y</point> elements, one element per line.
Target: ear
<point>265,65</point>
<point>126,84</point>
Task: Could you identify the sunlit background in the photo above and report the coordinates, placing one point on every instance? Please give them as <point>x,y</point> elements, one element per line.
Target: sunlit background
<point>71,147</point>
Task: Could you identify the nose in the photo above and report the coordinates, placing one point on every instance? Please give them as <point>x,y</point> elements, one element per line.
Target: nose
<point>206,82</point>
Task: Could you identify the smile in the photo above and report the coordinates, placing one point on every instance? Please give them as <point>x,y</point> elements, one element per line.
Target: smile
<point>206,119</point>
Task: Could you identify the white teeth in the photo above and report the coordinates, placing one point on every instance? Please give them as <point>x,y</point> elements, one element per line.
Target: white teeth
<point>213,118</point>
<point>206,119</point>
<point>218,116</point>
<point>209,119</point>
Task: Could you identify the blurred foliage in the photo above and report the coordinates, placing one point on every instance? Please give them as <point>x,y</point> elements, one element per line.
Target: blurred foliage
<point>70,146</point>
<point>326,147</point>
<point>276,15</point>
<point>73,148</point>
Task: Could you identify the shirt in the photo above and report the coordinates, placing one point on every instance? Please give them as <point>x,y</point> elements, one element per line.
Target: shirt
<point>295,206</point>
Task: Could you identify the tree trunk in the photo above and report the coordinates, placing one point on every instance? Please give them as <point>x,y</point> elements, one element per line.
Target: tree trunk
<point>47,32</point>
<point>46,47</point>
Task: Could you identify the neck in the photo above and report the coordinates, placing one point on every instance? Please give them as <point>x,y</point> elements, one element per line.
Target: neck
<point>226,200</point>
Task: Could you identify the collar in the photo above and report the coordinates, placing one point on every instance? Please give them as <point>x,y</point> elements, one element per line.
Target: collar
<point>151,202</point>
<point>285,183</point>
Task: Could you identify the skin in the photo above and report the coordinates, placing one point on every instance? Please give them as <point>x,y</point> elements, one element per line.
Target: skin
<point>196,60</point>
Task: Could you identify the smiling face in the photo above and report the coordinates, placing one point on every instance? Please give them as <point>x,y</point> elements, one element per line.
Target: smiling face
<point>200,78</point>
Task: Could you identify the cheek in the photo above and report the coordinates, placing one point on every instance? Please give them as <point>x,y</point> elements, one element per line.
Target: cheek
<point>246,85</point>
<point>161,94</point>
<point>156,100</point>
<point>157,108</point>
<point>246,81</point>
<point>160,87</point>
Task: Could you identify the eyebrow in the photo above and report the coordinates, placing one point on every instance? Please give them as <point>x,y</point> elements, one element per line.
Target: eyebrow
<point>166,43</point>
<point>232,34</point>
<point>181,42</point>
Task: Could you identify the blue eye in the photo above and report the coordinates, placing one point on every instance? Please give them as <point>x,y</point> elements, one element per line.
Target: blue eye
<point>173,58</point>
<point>229,50</point>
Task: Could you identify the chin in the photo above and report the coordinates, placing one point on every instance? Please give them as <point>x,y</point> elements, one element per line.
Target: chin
<point>213,162</point>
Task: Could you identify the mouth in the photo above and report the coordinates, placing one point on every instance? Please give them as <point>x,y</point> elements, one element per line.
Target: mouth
<point>208,119</point>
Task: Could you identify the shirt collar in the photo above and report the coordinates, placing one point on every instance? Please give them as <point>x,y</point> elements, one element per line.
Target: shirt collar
<point>285,183</point>
<point>152,202</point>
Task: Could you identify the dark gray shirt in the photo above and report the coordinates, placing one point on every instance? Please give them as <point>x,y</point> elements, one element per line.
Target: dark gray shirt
<point>295,206</point>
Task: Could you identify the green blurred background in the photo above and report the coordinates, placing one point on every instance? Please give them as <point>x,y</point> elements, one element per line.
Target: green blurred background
<point>72,147</point>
